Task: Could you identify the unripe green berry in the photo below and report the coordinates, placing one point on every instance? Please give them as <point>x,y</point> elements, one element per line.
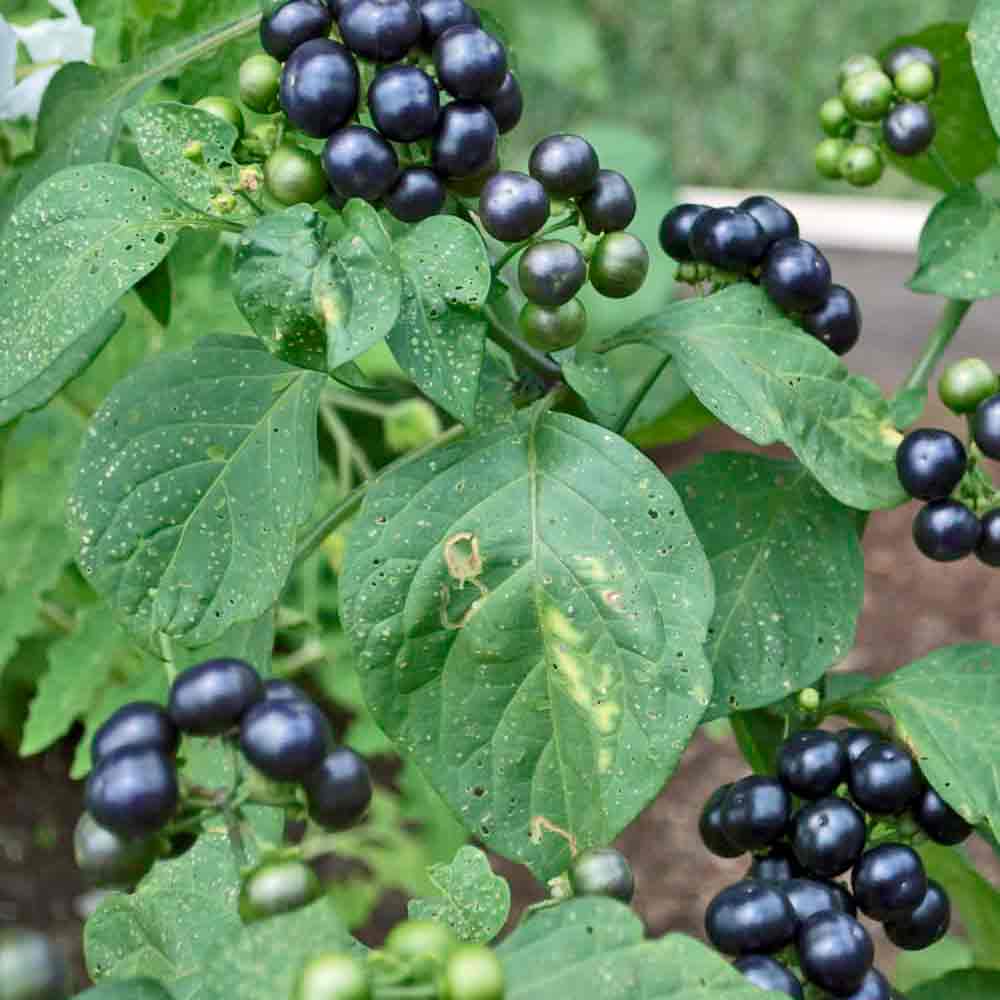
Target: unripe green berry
<point>829,153</point>
<point>223,108</point>
<point>861,165</point>
<point>224,203</point>
<point>965,384</point>
<point>260,78</point>
<point>277,887</point>
<point>915,81</point>
<point>867,96</point>
<point>411,424</point>
<point>333,976</point>
<point>194,151</point>
<point>809,699</point>
<point>295,176</point>
<point>553,329</point>
<point>473,973</point>
<point>856,65</point>
<point>619,265</point>
<point>833,117</point>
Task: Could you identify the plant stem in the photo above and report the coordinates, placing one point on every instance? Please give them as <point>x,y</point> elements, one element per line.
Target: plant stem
<point>942,335</point>
<point>565,222</point>
<point>167,652</point>
<point>535,360</point>
<point>637,397</point>
<point>358,404</point>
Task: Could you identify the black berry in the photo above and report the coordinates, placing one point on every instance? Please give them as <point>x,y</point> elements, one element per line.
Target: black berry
<point>828,836</point>
<point>901,57</point>
<point>778,865</point>
<point>909,129</point>
<point>507,104</point>
<point>513,206</point>
<point>710,826</point>
<point>610,205</point>
<point>107,859</point>
<point>212,697</point>
<point>796,276</point>
<point>810,896</point>
<point>986,426</point>
<point>284,740</point>
<point>835,951</point>
<point>988,548</point>
<point>140,724</point>
<point>748,918</point>
<point>930,463</point>
<point>856,741</point>
<point>133,793</point>
<point>889,881</point>
<point>767,974</point>
<point>873,987</point>
<point>417,195</point>
<point>602,871</point>
<point>380,30</point>
<point>675,230</point>
<point>359,163</point>
<point>938,820</point>
<point>755,812</point>
<point>729,239</point>
<point>884,780</point>
<point>293,24</point>
<point>566,164</point>
<point>551,273</point>
<point>465,142</point>
<point>280,690</point>
<point>776,221</point>
<point>320,87</point>
<point>837,322</point>
<point>440,15</point>
<point>471,64</point>
<point>812,764</point>
<point>926,924</point>
<point>404,103</point>
<point>946,530</point>
<point>339,790</point>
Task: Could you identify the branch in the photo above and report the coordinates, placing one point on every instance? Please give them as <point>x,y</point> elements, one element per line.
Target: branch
<point>942,335</point>
<point>527,355</point>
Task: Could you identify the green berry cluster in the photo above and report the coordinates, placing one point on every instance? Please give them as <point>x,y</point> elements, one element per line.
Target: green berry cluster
<point>893,95</point>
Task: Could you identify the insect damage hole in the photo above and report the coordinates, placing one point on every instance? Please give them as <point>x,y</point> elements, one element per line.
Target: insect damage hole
<point>465,565</point>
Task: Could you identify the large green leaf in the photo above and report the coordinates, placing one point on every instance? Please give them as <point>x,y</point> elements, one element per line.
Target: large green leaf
<point>758,372</point>
<point>70,251</point>
<point>968,984</point>
<point>471,900</point>
<point>947,710</point>
<point>439,339</point>
<point>529,608</point>
<point>965,139</point>
<point>596,948</point>
<point>789,576</point>
<point>191,486</point>
<point>132,989</point>
<point>984,29</point>
<point>960,247</point>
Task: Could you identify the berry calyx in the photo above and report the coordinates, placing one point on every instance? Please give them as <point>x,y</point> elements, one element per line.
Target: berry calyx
<point>339,790</point>
<point>602,871</point>
<point>294,176</point>
<point>619,265</point>
<point>610,205</point>
<point>965,384</point>
<point>930,463</point>
<point>513,206</point>
<point>566,165</point>
<point>750,918</point>
<point>553,329</point>
<point>277,887</point>
<point>550,273</point>
<point>946,531</point>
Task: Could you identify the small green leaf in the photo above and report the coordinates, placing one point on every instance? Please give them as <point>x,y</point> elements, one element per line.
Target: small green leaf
<point>907,408</point>
<point>590,376</point>
<point>471,900</point>
<point>758,372</point>
<point>789,576</point>
<point>439,339</point>
<point>946,708</point>
<point>131,989</point>
<point>191,486</point>
<point>528,607</point>
<point>968,984</point>
<point>960,247</point>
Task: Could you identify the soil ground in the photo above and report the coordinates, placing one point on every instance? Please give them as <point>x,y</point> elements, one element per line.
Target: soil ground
<point>911,607</point>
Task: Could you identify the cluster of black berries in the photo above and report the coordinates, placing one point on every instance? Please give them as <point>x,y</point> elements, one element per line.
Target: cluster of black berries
<point>893,93</point>
<point>133,791</point>
<point>759,240</point>
<point>804,835</point>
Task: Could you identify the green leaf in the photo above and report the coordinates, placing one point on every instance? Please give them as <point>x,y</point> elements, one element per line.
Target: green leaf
<point>759,734</point>
<point>191,485</point>
<point>767,379</point>
<point>789,576</point>
<point>132,989</point>
<point>163,131</point>
<point>965,140</point>
<point>439,339</point>
<point>915,967</point>
<point>70,251</point>
<point>156,293</point>
<point>968,984</point>
<point>596,947</point>
<point>593,379</point>
<point>680,422</point>
<point>960,247</point>
<point>947,710</point>
<point>907,408</point>
<point>528,607</point>
<point>471,900</point>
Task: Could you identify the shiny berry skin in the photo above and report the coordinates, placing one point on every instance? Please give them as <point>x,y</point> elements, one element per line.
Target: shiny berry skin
<point>930,463</point>
<point>778,865</point>
<point>946,531</point>
<point>728,238</point>
<point>916,82</point>
<point>108,860</point>
<point>338,790</point>
<point>471,64</point>
<point>828,155</point>
<point>909,129</point>
<point>755,812</point>
<point>295,176</point>
<point>861,165</point>
<point>277,887</point>
<point>550,273</point>
<point>380,30</point>
<point>986,426</point>
<point>900,58</point>
<point>465,141</point>
<point>132,793</point>
<point>675,230</point>
<point>473,972</point>
<point>566,164</point>
<point>293,24</point>
<point>873,987</point>
<point>513,206</point>
<point>767,974</point>
<point>139,724</point>
<point>829,836</point>
<point>884,780</point>
<point>796,276</point>
<point>440,15</point>
<point>359,163</point>
<point>926,924</point>
<point>833,117</point>
<point>224,109</point>
<point>404,103</point>
<point>710,826</point>
<point>750,918</point>
<point>31,968</point>
<point>854,66</point>
<point>420,939</point>
<point>553,329</point>
<point>320,87</point>
<point>212,697</point>
<point>507,104</point>
<point>867,96</point>
<point>889,881</point>
<point>610,205</point>
<point>837,323</point>
<point>812,764</point>
<point>988,547</point>
<point>602,871</point>
<point>966,383</point>
<point>856,741</point>
<point>284,740</point>
<point>619,265</point>
<point>333,976</point>
<point>260,80</point>
<point>835,952</point>
<point>417,195</point>
<point>776,221</point>
<point>811,896</point>
<point>938,820</point>
<point>280,690</point>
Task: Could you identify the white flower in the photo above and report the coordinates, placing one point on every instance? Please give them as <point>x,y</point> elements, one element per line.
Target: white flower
<point>50,43</point>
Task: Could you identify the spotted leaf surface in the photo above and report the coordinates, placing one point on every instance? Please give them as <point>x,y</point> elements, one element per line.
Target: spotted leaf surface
<point>439,339</point>
<point>789,576</point>
<point>193,480</point>
<point>758,372</point>
<point>70,251</point>
<point>529,608</point>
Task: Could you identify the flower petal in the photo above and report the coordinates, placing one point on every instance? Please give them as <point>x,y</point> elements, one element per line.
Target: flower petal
<point>61,39</point>
<point>26,98</point>
<point>8,57</point>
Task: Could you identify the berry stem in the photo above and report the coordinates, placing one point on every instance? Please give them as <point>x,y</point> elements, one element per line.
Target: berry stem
<point>528,356</point>
<point>167,652</point>
<point>942,335</point>
<point>565,222</point>
<point>621,425</point>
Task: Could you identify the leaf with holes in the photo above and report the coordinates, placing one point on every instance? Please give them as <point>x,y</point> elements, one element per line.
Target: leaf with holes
<point>472,901</point>
<point>196,475</point>
<point>947,710</point>
<point>789,576</point>
<point>70,251</point>
<point>529,607</point>
<point>439,339</point>
<point>758,372</point>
